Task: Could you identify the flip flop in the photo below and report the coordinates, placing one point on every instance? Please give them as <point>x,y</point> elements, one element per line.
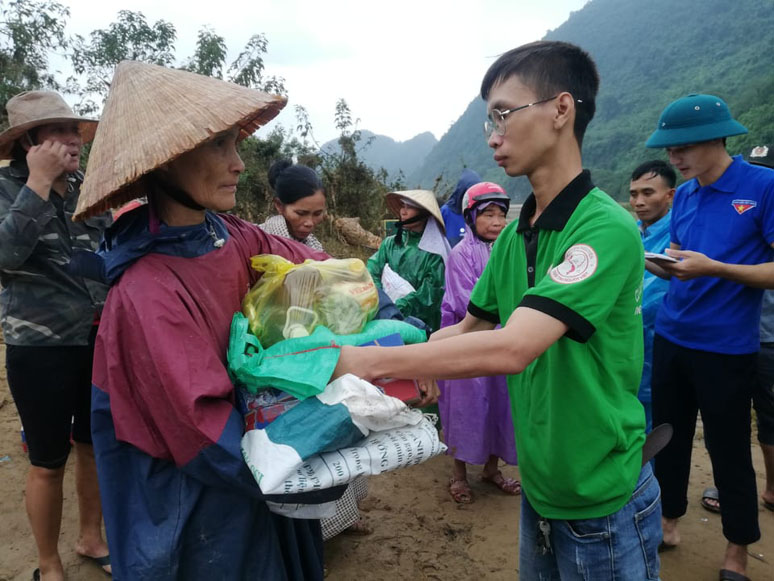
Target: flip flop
<point>101,561</point>
<point>768,505</point>
<point>36,575</point>
<point>507,485</point>
<point>726,575</point>
<point>710,493</point>
<point>460,491</point>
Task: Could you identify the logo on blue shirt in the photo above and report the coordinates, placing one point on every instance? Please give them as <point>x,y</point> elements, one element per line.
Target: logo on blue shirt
<point>741,206</point>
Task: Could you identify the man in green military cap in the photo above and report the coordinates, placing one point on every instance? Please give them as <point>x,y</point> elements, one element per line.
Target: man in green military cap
<point>706,342</point>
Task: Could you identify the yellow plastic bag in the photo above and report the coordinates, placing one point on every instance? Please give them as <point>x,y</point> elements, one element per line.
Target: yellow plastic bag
<point>290,300</point>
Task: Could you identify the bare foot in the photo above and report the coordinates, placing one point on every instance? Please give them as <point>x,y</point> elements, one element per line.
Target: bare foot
<point>670,532</point>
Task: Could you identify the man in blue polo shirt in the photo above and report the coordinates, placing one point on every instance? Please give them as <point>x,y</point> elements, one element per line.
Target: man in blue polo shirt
<point>707,338</point>
<point>651,190</point>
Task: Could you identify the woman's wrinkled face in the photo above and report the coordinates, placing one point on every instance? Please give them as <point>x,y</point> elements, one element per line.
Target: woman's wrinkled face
<point>303,215</point>
<point>490,222</point>
<point>210,173</point>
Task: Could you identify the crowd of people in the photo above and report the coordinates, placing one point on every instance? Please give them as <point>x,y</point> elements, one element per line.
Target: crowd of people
<point>567,335</point>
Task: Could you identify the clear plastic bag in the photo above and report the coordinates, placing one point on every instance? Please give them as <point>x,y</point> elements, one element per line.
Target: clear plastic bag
<point>290,300</point>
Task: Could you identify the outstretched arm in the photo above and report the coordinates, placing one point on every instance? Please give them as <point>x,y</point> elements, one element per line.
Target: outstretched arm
<point>458,353</point>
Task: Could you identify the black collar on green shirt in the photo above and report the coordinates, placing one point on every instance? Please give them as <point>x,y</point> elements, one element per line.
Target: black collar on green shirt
<point>558,212</point>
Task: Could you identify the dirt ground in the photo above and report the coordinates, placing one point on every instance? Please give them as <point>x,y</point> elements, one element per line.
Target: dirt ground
<point>419,532</point>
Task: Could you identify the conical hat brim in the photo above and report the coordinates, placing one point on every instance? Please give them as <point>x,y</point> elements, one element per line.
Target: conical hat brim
<point>423,198</point>
<point>152,116</point>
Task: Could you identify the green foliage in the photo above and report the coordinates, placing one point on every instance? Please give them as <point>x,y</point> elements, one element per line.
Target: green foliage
<point>131,37</point>
<point>30,28</point>
<point>29,31</point>
<point>352,187</point>
<point>210,54</point>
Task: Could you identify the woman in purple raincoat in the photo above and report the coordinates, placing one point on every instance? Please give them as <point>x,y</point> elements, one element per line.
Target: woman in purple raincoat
<point>476,413</point>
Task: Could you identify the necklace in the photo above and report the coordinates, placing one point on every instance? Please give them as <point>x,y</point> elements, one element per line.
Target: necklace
<point>216,242</point>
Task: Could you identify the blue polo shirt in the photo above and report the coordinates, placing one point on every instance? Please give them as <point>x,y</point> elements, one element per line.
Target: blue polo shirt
<point>654,238</point>
<point>731,220</point>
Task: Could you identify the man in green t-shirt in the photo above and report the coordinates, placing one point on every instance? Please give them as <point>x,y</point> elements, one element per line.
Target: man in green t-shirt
<point>565,281</point>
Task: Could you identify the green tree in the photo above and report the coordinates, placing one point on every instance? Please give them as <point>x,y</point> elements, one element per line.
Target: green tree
<point>29,31</point>
<point>247,69</point>
<point>353,188</point>
<point>131,37</point>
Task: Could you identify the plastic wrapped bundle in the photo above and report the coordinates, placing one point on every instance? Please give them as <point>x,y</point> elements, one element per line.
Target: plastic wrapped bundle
<point>291,300</point>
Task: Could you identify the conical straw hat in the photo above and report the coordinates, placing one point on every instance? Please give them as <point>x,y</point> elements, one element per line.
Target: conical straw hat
<point>423,198</point>
<point>153,115</point>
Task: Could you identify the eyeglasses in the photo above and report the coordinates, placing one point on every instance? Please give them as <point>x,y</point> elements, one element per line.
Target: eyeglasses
<point>496,119</point>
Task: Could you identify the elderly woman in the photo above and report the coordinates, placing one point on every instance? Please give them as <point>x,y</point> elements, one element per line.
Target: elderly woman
<point>476,412</point>
<point>179,500</point>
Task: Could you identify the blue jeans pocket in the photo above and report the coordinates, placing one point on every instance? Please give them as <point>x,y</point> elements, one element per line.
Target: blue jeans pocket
<point>648,524</point>
<point>589,530</point>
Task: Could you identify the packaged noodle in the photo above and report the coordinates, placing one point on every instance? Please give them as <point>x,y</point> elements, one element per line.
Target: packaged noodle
<point>290,300</point>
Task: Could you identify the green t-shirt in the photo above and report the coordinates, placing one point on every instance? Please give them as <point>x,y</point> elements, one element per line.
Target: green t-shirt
<point>579,426</point>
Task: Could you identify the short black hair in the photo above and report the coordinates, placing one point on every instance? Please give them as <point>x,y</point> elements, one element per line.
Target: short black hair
<point>551,67</point>
<point>658,167</point>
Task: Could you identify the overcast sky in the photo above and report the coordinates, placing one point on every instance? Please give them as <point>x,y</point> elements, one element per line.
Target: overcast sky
<point>404,66</point>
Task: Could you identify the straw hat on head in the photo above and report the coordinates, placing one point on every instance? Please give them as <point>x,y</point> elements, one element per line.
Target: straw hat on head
<point>152,116</point>
<point>425,199</point>
<point>35,108</point>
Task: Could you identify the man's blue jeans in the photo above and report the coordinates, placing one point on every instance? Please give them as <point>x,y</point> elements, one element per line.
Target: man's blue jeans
<point>622,546</point>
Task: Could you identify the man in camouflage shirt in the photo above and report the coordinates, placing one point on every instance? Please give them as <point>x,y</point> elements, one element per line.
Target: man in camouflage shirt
<point>49,317</point>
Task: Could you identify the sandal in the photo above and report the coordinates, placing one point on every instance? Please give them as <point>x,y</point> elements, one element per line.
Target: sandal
<point>460,490</point>
<point>507,485</point>
<point>710,499</point>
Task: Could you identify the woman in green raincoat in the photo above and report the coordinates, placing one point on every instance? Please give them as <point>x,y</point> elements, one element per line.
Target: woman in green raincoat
<point>410,265</point>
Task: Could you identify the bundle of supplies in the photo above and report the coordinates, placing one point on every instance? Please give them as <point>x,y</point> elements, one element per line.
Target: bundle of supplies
<point>351,429</point>
<point>291,300</point>
<point>300,366</point>
<point>304,433</point>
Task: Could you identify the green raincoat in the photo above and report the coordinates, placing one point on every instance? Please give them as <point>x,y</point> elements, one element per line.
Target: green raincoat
<point>424,270</point>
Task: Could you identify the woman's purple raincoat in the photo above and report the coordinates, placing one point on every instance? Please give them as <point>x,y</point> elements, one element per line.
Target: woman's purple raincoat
<point>475,413</point>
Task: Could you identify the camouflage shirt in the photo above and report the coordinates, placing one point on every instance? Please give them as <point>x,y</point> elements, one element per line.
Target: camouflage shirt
<point>40,302</point>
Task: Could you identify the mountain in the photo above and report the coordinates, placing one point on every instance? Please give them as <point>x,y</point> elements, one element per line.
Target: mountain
<point>380,151</point>
<point>648,54</point>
